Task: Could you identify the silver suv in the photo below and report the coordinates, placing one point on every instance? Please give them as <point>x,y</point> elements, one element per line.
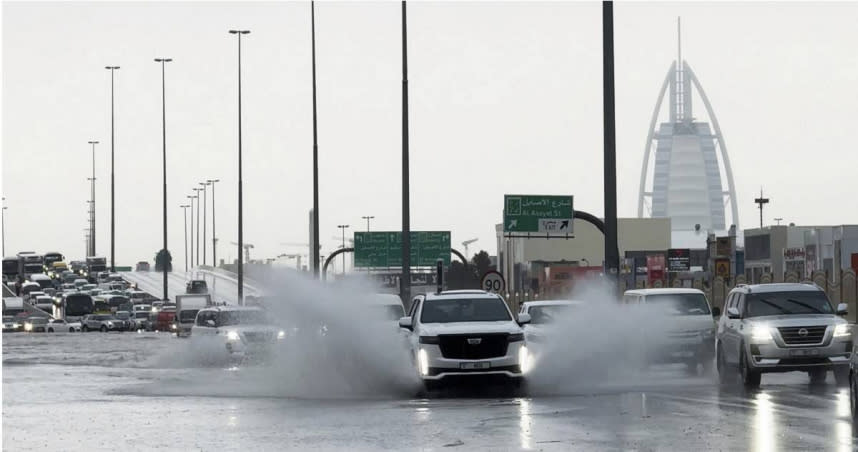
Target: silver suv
<point>782,328</point>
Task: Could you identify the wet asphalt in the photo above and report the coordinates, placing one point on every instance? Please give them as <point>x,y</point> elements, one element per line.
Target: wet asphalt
<point>133,391</point>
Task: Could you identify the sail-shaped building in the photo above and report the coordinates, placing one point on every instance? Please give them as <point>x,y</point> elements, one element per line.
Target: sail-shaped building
<point>689,178</point>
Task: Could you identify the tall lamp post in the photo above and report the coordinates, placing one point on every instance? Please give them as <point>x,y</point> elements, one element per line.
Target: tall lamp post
<point>112,191</point>
<point>197,258</point>
<point>367,218</point>
<point>238,33</point>
<point>92,201</point>
<point>405,279</point>
<point>204,185</point>
<point>343,228</point>
<point>192,198</point>
<point>315,258</point>
<point>185,211</point>
<point>214,236</point>
<point>163,62</point>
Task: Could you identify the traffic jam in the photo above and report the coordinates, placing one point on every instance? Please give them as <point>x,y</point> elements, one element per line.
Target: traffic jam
<point>459,334</point>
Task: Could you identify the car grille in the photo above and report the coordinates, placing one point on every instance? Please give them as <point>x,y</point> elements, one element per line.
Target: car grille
<point>457,346</point>
<point>259,336</point>
<point>792,336</point>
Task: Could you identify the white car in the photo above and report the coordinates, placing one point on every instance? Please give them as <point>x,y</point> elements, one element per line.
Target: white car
<point>691,335</point>
<point>61,326</point>
<point>466,333</point>
<point>387,306</point>
<point>241,330</point>
<point>543,317</point>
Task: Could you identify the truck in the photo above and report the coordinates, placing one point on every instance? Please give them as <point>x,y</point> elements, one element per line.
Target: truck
<point>94,265</point>
<point>10,269</point>
<point>50,258</point>
<point>187,307</point>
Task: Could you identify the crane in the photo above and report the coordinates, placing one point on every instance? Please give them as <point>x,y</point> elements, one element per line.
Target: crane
<point>247,247</point>
<point>465,244</point>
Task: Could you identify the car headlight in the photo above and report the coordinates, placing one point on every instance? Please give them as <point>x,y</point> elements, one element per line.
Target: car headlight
<point>761,333</point>
<point>28,327</point>
<point>16,325</point>
<point>516,337</point>
<point>109,323</point>
<point>281,335</point>
<point>429,340</point>
<point>422,362</point>
<point>842,330</point>
<point>524,359</point>
<point>173,326</point>
<point>232,336</point>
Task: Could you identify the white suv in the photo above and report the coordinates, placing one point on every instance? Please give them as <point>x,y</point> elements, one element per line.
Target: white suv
<point>782,328</point>
<point>466,333</point>
<point>242,331</point>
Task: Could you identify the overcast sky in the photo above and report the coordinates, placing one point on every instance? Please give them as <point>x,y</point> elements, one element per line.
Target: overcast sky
<point>505,98</point>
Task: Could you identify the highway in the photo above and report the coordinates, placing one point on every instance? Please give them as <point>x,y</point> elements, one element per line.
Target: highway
<point>222,285</point>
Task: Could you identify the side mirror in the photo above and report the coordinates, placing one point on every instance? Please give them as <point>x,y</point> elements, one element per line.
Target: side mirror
<point>210,323</point>
<point>732,313</point>
<point>523,319</point>
<point>405,322</point>
<point>842,309</point>
<point>716,312</point>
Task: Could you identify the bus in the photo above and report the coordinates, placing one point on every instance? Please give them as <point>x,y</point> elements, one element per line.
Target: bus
<point>30,263</point>
<point>50,258</point>
<point>10,268</point>
<point>77,305</point>
<point>95,264</point>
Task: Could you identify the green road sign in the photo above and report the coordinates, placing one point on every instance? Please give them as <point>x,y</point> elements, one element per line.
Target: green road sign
<point>384,249</point>
<point>538,213</point>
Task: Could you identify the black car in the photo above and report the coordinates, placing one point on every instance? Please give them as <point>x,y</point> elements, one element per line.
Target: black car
<point>197,286</point>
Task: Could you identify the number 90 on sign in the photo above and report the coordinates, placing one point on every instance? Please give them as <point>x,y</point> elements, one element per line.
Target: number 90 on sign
<point>493,281</point>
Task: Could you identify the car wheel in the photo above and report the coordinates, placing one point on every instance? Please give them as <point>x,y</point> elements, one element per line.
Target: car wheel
<point>103,329</point>
<point>721,364</point>
<point>85,328</point>
<point>817,376</point>
<point>841,376</point>
<point>71,330</point>
<point>853,396</point>
<point>750,377</point>
<point>50,330</point>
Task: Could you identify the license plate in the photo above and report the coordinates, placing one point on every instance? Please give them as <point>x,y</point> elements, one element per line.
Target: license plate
<point>811,352</point>
<point>480,365</point>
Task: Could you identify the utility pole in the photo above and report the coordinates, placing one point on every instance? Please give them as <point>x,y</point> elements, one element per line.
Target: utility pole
<point>197,258</point>
<point>761,201</point>
<point>240,266</point>
<point>92,204</point>
<point>343,228</point>
<point>185,211</point>
<point>214,236</point>
<point>367,218</point>
<point>205,203</point>
<point>192,198</point>
<point>165,261</point>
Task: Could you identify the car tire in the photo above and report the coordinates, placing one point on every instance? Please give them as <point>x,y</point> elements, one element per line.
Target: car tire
<point>71,330</point>
<point>103,329</point>
<point>50,330</point>
<point>750,378</point>
<point>85,329</point>
<point>841,376</point>
<point>853,396</point>
<point>817,376</point>
<point>721,367</point>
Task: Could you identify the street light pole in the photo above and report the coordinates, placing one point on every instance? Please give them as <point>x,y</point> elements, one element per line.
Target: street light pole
<point>204,184</point>
<point>315,245</point>
<point>343,228</point>
<point>240,205</point>
<point>367,218</point>
<point>163,62</point>
<point>612,255</point>
<point>3,220</point>
<point>185,211</point>
<point>92,200</point>
<point>112,186</point>
<point>192,198</point>
<point>405,279</point>
<point>214,236</point>
<point>197,258</point>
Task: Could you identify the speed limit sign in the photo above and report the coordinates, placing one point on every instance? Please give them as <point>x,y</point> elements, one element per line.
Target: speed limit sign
<point>493,282</point>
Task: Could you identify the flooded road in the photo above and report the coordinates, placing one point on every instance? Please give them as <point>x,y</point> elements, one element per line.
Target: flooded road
<point>137,391</point>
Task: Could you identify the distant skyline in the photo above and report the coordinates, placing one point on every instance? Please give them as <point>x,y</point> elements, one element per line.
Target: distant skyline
<point>505,98</point>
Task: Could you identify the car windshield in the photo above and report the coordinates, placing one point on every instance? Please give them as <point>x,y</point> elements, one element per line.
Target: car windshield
<point>683,303</point>
<point>786,303</point>
<point>241,317</point>
<point>464,310</point>
<point>141,315</point>
<point>188,315</point>
<point>547,314</point>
